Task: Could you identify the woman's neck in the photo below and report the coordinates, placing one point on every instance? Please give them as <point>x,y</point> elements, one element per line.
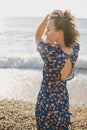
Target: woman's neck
<point>61,43</point>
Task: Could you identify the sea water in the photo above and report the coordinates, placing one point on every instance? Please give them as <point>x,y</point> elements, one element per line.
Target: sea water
<point>21,65</point>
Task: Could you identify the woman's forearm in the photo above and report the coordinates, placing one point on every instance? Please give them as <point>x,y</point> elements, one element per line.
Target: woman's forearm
<point>41,29</point>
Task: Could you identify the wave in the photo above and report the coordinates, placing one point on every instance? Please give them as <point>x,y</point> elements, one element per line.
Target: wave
<point>32,63</point>
<point>21,63</point>
<point>81,64</point>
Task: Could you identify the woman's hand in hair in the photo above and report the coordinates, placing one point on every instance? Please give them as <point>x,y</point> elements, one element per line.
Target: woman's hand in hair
<point>56,13</point>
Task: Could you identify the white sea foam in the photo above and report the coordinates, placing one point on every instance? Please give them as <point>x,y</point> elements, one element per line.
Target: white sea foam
<point>33,62</point>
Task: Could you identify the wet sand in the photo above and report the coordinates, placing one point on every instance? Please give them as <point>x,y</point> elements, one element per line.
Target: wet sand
<point>20,115</point>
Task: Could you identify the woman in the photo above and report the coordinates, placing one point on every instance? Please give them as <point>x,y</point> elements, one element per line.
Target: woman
<point>59,52</point>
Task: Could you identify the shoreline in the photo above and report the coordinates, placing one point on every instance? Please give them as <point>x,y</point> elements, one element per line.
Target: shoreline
<point>20,115</point>
<point>25,84</point>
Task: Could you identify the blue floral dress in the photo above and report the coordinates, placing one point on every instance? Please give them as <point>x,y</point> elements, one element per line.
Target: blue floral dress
<point>52,106</point>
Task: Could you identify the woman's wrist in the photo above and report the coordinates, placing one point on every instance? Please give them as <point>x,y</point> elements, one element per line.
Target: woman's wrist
<point>46,19</point>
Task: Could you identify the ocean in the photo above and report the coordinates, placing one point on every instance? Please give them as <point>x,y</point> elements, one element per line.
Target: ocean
<point>21,65</point>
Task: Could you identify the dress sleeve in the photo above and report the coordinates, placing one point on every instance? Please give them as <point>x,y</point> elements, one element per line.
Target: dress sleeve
<point>74,59</point>
<point>76,47</point>
<point>45,51</point>
<point>76,52</point>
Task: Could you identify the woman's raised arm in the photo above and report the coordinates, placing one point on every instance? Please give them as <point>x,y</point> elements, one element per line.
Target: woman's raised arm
<point>40,30</point>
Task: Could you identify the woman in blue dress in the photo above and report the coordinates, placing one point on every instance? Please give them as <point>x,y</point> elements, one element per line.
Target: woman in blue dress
<point>59,51</point>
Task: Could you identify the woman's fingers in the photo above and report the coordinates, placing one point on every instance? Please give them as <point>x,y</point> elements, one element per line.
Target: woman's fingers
<point>56,13</point>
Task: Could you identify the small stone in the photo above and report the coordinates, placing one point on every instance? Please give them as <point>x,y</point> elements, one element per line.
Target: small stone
<point>20,115</point>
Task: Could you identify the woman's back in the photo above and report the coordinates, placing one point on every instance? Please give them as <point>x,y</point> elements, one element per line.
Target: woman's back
<point>58,65</point>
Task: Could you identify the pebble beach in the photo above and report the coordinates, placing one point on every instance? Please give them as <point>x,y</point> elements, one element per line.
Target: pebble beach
<point>19,115</point>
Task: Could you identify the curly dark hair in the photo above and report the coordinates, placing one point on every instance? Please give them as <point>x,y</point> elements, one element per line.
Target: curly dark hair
<point>67,24</point>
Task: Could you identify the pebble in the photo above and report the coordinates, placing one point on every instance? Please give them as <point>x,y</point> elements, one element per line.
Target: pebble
<point>19,115</point>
